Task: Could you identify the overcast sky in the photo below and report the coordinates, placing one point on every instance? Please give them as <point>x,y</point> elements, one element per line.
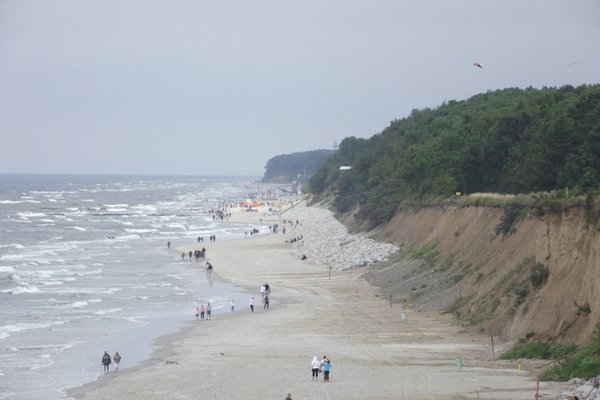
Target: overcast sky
<point>218,87</point>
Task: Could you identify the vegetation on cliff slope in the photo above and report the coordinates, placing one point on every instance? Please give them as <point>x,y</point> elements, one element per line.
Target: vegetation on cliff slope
<point>506,141</point>
<point>286,167</point>
<point>583,364</point>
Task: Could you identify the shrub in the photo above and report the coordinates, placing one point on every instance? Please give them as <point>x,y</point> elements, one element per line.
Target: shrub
<point>538,275</point>
<point>512,214</point>
<point>522,291</point>
<point>543,350</point>
<point>584,364</point>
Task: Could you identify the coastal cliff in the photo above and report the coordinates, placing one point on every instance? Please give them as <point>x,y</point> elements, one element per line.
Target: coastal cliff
<point>538,281</point>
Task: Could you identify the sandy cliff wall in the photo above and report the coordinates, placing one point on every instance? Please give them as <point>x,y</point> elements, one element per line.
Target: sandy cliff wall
<point>488,270</point>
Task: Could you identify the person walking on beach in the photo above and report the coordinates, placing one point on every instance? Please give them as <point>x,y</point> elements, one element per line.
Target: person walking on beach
<point>169,244</point>
<point>316,366</point>
<point>182,256</point>
<point>232,306</point>
<point>252,304</point>
<point>202,311</point>
<point>106,362</point>
<point>288,397</point>
<point>117,360</point>
<point>266,306</point>
<point>326,367</point>
<point>208,311</point>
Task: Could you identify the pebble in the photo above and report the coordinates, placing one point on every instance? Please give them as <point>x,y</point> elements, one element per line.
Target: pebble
<point>582,389</point>
<point>327,242</point>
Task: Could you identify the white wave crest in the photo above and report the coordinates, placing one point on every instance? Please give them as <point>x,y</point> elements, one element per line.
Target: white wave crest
<point>13,245</point>
<point>24,289</point>
<point>109,311</point>
<point>30,214</point>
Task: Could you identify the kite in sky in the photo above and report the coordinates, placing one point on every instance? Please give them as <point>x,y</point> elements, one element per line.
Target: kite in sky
<point>477,65</point>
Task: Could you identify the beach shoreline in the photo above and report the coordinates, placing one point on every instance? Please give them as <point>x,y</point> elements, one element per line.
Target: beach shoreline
<point>266,354</point>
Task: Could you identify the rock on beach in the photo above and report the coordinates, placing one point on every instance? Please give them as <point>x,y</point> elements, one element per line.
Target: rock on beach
<point>327,242</point>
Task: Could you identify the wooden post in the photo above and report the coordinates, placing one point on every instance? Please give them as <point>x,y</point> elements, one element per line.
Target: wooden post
<point>330,272</point>
<point>537,389</point>
<point>493,352</point>
<point>390,301</point>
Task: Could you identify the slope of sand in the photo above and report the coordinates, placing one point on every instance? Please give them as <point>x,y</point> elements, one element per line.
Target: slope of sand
<point>266,354</point>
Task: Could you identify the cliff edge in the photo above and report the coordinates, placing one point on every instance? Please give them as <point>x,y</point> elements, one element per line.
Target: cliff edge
<point>538,280</point>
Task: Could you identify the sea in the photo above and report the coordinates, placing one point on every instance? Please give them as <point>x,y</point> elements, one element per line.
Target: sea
<point>85,268</point>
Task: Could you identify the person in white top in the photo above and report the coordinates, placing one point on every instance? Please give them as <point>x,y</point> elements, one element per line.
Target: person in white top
<point>315,365</point>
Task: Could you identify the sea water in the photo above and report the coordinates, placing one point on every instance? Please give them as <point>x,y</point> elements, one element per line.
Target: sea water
<point>84,268</point>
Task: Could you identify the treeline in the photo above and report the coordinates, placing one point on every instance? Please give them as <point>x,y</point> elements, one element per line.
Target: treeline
<point>286,167</point>
<point>506,141</point>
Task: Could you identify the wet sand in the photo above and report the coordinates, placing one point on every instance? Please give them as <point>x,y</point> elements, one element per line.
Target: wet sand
<point>266,354</point>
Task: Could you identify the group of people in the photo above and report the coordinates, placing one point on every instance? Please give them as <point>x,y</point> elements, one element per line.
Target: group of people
<point>253,231</point>
<point>203,312</point>
<point>106,361</point>
<point>323,366</point>
<point>295,239</point>
<point>265,291</point>
<point>198,254</point>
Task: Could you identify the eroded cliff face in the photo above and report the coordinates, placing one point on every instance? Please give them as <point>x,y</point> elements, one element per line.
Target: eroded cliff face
<point>486,277</point>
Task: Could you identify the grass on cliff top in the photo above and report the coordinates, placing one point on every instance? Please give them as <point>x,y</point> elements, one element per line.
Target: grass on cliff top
<point>546,201</point>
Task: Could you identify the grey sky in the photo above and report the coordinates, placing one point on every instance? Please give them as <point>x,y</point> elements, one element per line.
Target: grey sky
<point>219,87</point>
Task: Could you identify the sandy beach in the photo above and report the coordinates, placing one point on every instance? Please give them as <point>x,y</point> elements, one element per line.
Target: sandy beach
<point>375,354</point>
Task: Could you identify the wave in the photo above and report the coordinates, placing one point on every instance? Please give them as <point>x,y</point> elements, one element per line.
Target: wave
<point>19,201</point>
<point>115,210</point>
<point>30,214</point>
<point>22,289</point>
<point>14,245</point>
<point>7,330</point>
<point>77,304</point>
<point>109,311</point>
<point>6,273</point>
<point>144,208</point>
<point>125,237</point>
<point>141,230</point>
<point>47,362</point>
<point>180,226</point>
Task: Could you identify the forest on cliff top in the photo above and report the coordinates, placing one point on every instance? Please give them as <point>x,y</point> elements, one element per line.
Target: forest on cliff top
<point>505,141</point>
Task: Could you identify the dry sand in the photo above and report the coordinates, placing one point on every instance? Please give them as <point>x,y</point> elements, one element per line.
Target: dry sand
<point>266,354</point>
